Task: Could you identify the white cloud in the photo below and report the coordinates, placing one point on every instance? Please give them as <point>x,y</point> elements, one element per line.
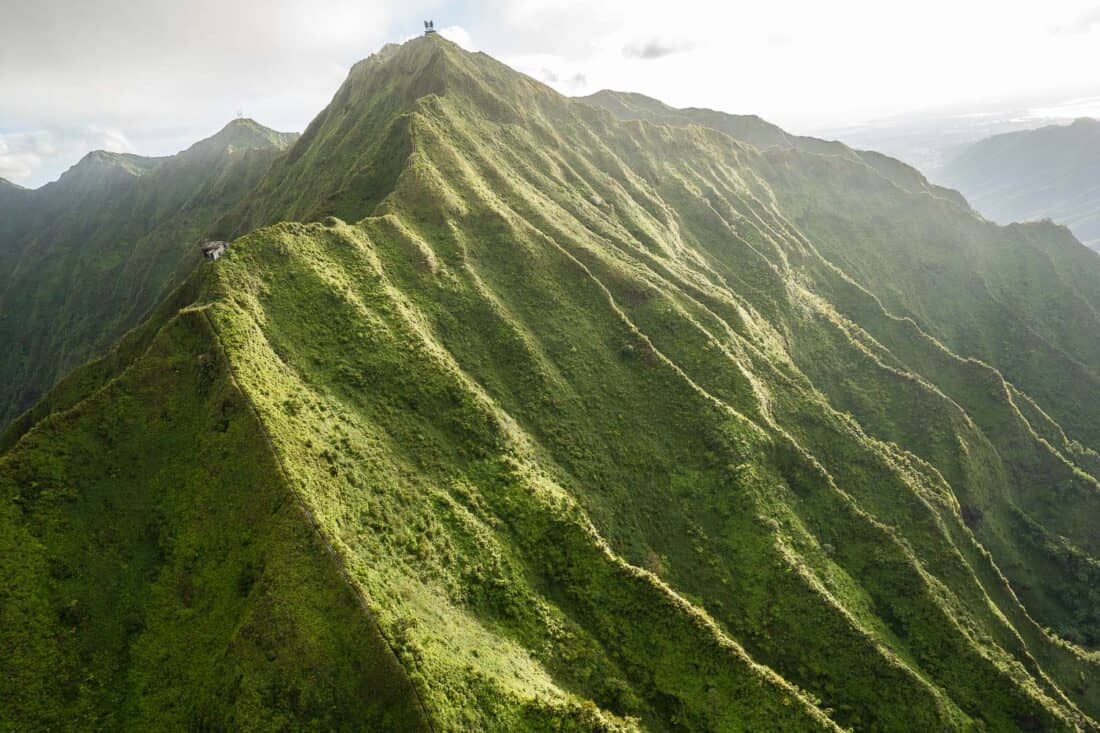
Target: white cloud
<point>459,35</point>
<point>16,164</point>
<point>806,64</point>
<point>1084,23</point>
<point>655,48</point>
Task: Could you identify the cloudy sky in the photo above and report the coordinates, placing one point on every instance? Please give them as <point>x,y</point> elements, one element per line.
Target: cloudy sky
<point>152,76</point>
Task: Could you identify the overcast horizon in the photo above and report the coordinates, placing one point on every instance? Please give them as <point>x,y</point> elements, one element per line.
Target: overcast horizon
<point>154,77</point>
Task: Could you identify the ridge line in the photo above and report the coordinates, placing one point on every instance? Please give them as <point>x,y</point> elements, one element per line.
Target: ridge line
<point>310,519</point>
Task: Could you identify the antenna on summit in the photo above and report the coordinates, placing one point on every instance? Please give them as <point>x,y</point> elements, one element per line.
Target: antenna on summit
<point>429,27</point>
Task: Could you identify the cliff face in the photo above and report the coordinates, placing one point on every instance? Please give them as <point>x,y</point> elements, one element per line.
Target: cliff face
<point>607,424</point>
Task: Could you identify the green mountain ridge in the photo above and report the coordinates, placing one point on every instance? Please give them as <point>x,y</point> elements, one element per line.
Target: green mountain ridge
<point>1047,173</point>
<point>84,258</point>
<point>747,128</point>
<point>102,166</point>
<point>607,422</point>
<point>908,264</point>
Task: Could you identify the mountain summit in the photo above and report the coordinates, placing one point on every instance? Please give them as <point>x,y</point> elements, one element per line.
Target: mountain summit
<point>506,412</point>
<point>241,134</point>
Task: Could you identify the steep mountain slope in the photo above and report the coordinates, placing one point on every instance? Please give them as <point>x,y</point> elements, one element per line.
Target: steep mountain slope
<point>1049,173</point>
<point>167,580</point>
<point>763,135</point>
<point>83,259</point>
<point>596,423</point>
<point>1023,299</point>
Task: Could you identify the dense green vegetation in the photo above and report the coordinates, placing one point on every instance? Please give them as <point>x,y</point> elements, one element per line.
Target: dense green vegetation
<point>607,423</point>
<point>83,260</point>
<point>764,136</point>
<point>158,573</point>
<point>1049,173</point>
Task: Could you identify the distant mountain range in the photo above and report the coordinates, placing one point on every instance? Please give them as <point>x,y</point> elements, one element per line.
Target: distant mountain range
<point>1052,172</point>
<point>505,411</point>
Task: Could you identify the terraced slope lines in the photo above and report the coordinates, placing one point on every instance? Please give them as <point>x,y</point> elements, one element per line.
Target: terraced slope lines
<point>534,418</point>
<point>1052,172</point>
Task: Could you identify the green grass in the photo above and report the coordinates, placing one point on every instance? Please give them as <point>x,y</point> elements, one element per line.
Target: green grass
<point>158,573</point>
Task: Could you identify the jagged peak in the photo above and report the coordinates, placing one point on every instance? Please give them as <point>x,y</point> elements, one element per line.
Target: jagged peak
<point>349,156</point>
<point>432,64</point>
<point>243,133</point>
<point>414,55</point>
<point>110,158</point>
<point>100,166</point>
<point>103,166</point>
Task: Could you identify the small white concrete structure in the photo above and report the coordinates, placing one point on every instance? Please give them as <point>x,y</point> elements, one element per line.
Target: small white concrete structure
<point>214,249</point>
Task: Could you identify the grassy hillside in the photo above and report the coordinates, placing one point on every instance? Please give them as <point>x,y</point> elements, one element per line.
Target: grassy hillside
<point>763,135</point>
<point>83,259</point>
<point>597,422</point>
<point>159,574</point>
<point>1049,173</point>
<point>1023,298</point>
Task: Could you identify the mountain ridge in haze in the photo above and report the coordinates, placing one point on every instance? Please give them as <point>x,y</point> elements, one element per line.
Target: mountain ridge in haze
<point>1049,172</point>
<point>601,424</point>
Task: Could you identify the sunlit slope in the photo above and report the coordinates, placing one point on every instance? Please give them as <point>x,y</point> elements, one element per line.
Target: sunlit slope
<point>1003,295</point>
<point>157,572</point>
<point>605,439</point>
<point>763,135</point>
<point>84,259</point>
<point>1023,298</point>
